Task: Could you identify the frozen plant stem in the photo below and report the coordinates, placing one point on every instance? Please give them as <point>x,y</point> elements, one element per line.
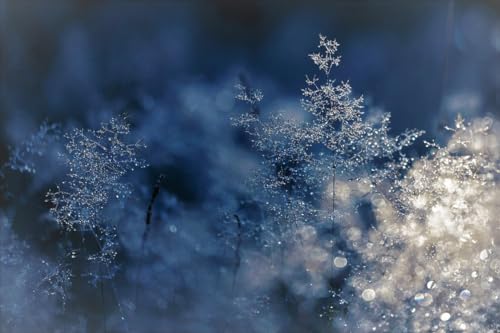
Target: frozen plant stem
<point>103,303</point>
<point>237,254</point>
<point>334,170</point>
<point>149,214</point>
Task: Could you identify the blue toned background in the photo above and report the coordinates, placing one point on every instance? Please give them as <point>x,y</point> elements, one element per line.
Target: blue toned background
<point>172,66</point>
<point>409,57</point>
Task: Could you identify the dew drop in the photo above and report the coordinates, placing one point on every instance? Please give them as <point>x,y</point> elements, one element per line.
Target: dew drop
<point>465,294</point>
<point>368,295</point>
<point>423,299</point>
<point>495,266</point>
<point>340,262</point>
<point>445,316</point>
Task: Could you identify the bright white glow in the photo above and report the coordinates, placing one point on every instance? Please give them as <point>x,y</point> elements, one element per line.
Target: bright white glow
<point>445,316</point>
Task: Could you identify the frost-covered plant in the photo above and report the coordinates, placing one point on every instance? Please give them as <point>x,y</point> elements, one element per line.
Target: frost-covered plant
<point>433,263</point>
<point>304,157</point>
<point>97,160</point>
<point>22,156</point>
<point>28,283</point>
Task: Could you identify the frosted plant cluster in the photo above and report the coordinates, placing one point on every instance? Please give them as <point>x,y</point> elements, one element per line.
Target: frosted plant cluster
<point>28,282</point>
<point>342,227</point>
<point>97,161</point>
<point>335,139</point>
<point>22,157</point>
<point>428,261</point>
<point>305,160</point>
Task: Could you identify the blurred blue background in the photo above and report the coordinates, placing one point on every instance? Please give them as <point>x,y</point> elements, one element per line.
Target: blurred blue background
<point>172,66</point>
<point>413,58</point>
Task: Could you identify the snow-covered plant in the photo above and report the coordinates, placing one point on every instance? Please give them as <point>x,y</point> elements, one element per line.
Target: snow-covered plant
<point>432,263</point>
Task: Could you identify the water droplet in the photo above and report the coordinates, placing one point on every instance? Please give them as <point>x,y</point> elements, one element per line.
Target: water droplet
<point>445,316</point>
<point>495,266</point>
<point>465,294</point>
<point>483,255</point>
<point>461,325</point>
<point>340,262</point>
<point>423,299</point>
<point>474,274</point>
<point>368,295</point>
<point>172,228</point>
<point>431,285</point>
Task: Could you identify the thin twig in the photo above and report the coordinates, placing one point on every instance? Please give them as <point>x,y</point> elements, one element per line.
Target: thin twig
<point>334,170</point>
<point>101,284</point>
<point>149,214</point>
<point>237,255</point>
